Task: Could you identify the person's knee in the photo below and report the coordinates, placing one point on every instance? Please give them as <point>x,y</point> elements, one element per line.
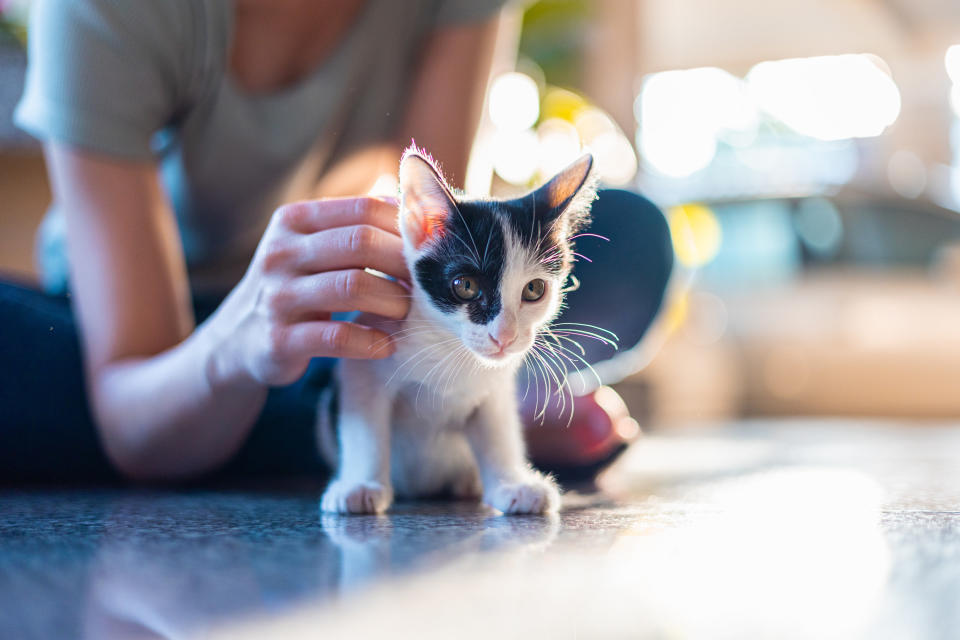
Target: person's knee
<point>623,211</point>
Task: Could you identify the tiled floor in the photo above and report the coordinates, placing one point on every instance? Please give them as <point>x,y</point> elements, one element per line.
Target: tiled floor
<point>811,529</point>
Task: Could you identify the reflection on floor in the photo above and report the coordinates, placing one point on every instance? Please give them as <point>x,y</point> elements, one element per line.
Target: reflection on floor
<point>799,529</point>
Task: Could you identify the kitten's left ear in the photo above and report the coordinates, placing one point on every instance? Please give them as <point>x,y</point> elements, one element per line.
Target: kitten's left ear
<point>572,191</point>
<point>425,200</point>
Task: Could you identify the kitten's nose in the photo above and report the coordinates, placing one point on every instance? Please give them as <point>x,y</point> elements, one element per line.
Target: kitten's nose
<point>503,342</point>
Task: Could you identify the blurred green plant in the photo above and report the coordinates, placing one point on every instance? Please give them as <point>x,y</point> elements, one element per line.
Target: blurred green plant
<point>554,37</point>
<point>13,21</point>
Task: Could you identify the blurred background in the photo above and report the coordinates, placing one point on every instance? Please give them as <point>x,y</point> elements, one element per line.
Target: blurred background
<point>806,153</point>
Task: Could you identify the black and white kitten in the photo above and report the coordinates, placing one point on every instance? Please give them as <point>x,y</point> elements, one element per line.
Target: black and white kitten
<point>441,414</point>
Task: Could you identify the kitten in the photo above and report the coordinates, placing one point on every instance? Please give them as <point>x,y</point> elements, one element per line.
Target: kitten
<point>441,414</point>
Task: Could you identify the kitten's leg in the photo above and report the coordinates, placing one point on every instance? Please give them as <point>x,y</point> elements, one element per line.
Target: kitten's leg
<point>464,483</point>
<point>509,483</point>
<point>362,483</point>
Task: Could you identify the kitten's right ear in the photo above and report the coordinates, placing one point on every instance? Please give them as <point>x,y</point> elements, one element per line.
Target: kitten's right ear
<point>425,199</point>
<point>570,190</point>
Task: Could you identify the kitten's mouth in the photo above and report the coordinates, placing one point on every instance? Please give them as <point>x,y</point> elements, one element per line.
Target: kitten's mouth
<point>495,356</point>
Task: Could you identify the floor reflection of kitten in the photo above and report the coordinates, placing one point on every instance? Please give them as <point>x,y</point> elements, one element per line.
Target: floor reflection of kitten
<point>376,547</point>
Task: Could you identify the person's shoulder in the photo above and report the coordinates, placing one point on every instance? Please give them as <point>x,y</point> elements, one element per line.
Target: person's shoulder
<point>105,75</point>
<point>142,24</point>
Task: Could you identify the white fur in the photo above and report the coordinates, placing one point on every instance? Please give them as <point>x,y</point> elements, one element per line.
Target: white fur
<point>441,413</point>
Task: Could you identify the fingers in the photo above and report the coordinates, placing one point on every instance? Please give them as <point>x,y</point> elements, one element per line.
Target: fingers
<point>328,339</point>
<point>344,290</point>
<point>352,247</point>
<point>311,216</point>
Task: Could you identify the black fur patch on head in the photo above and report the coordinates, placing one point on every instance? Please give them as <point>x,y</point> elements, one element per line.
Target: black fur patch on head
<point>472,239</point>
<point>472,244</point>
<point>537,228</point>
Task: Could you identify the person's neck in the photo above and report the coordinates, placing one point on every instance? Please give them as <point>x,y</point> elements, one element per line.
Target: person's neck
<point>277,43</point>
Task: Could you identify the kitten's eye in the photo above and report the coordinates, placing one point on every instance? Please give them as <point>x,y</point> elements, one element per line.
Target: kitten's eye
<point>534,290</point>
<point>466,288</point>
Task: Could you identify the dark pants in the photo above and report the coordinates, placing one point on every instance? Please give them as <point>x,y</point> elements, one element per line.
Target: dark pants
<point>47,432</point>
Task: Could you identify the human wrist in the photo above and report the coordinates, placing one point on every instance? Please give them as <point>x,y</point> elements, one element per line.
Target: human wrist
<point>223,364</point>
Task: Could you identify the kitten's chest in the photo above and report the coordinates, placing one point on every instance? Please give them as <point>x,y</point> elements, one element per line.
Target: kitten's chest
<point>432,360</point>
<point>438,380</point>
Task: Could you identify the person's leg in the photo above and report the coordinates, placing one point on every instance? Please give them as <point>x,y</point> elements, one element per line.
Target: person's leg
<point>46,431</point>
<point>623,280</point>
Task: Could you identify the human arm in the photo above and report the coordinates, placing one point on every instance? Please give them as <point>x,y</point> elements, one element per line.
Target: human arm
<point>171,401</point>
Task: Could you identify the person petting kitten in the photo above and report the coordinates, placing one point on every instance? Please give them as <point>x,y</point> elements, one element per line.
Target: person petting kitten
<point>487,277</point>
<point>210,165</point>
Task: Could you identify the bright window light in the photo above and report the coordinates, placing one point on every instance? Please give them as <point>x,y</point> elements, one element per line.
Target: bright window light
<point>681,114</point>
<point>827,97</point>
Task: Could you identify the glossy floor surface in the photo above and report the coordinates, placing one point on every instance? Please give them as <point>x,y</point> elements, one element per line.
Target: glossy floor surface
<point>812,529</point>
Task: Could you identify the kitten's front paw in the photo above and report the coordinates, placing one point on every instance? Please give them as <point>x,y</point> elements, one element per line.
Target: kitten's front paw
<point>356,497</point>
<point>535,494</point>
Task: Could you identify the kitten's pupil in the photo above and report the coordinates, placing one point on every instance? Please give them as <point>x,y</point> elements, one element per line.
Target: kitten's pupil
<point>534,290</point>
<point>466,288</point>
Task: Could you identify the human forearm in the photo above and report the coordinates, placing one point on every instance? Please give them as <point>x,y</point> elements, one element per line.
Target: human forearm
<point>177,414</point>
<point>185,410</point>
<point>172,401</point>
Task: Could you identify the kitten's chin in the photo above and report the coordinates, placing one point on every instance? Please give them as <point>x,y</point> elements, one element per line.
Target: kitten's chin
<point>498,360</point>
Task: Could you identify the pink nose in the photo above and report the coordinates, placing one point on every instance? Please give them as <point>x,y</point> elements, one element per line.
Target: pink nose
<point>503,342</point>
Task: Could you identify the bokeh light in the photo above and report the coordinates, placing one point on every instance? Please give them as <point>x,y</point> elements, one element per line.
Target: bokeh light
<point>615,158</point>
<point>951,61</point>
<point>516,155</point>
<point>514,102</point>
<point>563,104</point>
<point>559,145</point>
<point>907,173</point>
<point>591,123</point>
<point>819,226</point>
<point>695,232</point>
<point>568,123</point>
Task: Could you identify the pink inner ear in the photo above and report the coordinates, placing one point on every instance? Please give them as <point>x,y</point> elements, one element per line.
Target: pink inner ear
<point>564,186</point>
<point>423,221</point>
<point>426,199</point>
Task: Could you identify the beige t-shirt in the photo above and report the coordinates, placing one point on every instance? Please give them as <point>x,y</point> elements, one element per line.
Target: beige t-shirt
<point>148,79</point>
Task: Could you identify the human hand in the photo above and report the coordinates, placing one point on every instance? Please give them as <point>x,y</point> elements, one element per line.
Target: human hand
<point>311,262</point>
